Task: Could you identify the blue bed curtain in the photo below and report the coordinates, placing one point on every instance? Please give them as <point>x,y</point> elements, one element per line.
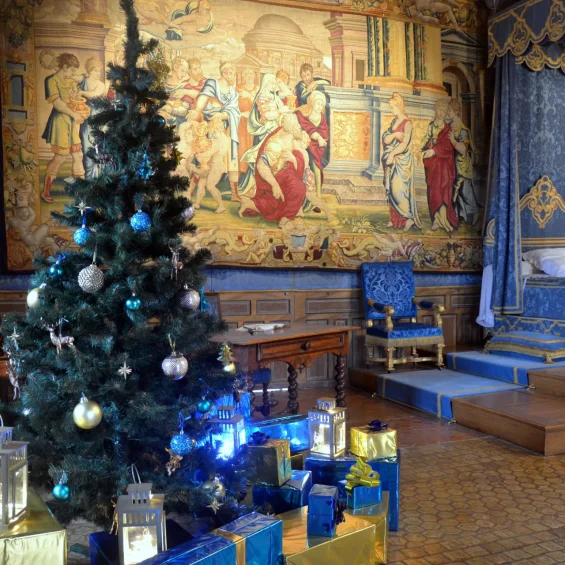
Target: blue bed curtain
<point>528,136</point>
<point>503,239</point>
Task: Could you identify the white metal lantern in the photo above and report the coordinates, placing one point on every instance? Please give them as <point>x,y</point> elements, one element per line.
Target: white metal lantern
<point>141,524</point>
<point>13,474</point>
<point>229,429</point>
<point>326,428</point>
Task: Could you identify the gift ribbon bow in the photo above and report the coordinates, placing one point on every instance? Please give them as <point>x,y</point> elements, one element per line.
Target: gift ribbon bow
<point>361,474</point>
<point>258,438</point>
<point>339,516</point>
<point>378,426</point>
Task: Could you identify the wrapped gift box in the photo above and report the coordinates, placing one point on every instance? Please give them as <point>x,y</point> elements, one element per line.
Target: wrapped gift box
<point>376,514</point>
<point>322,510</point>
<point>371,443</point>
<point>104,546</point>
<point>360,496</point>
<point>208,549</point>
<point>331,471</point>
<point>269,463</point>
<point>292,428</point>
<point>293,494</point>
<point>254,539</point>
<point>353,543</point>
<point>362,486</point>
<point>37,538</point>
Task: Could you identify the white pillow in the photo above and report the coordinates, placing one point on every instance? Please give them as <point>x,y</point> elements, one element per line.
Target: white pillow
<point>550,261</point>
<point>529,269</point>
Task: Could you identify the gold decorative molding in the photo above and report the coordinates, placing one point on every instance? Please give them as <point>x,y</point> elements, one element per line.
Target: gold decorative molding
<point>542,200</point>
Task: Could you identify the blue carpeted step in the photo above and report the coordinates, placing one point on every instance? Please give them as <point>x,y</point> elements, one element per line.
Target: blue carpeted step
<point>433,390</point>
<point>492,366</point>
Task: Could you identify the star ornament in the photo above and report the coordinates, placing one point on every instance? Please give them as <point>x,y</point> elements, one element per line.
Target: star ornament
<point>14,337</point>
<point>82,207</point>
<point>215,505</point>
<point>124,370</point>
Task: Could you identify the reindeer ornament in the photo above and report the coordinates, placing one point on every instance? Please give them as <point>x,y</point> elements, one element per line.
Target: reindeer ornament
<point>59,340</point>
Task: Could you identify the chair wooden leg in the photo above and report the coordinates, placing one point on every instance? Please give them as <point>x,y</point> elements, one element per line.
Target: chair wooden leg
<point>440,355</point>
<point>390,358</point>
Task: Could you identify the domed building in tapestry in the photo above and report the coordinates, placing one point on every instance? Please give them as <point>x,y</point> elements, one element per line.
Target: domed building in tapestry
<point>278,43</point>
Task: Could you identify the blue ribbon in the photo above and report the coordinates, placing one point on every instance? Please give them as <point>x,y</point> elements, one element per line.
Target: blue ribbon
<point>258,438</point>
<point>378,426</point>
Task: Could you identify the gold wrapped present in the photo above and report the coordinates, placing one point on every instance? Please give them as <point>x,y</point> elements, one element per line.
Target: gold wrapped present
<point>38,539</point>
<point>374,441</point>
<point>376,514</point>
<point>268,460</point>
<point>354,541</point>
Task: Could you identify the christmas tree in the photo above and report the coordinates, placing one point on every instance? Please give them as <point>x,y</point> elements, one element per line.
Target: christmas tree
<point>113,355</point>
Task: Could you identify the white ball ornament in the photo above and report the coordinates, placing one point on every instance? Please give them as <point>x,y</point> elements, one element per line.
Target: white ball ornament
<point>33,297</point>
<point>189,299</point>
<point>175,366</point>
<point>91,279</point>
<point>87,414</point>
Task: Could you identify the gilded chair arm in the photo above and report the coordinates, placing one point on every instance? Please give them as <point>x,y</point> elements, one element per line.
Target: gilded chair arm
<point>388,311</point>
<point>438,309</point>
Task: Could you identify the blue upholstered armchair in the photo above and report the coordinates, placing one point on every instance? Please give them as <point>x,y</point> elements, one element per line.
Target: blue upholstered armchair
<point>388,295</point>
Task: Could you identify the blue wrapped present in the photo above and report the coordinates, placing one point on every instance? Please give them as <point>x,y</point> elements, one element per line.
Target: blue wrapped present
<point>362,486</point>
<point>293,428</point>
<point>293,494</point>
<point>104,548</point>
<point>208,549</point>
<point>324,511</point>
<point>331,471</point>
<point>250,540</point>
<point>360,496</point>
<point>257,537</point>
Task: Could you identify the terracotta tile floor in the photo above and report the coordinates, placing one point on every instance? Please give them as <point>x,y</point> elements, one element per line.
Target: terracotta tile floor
<point>466,498</point>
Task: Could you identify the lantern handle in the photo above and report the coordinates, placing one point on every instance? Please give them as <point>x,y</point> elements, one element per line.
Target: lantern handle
<point>135,474</point>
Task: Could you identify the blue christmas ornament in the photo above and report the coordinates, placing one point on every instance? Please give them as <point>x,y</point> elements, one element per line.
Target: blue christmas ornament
<point>82,235</point>
<point>204,305</point>
<point>140,221</point>
<point>55,271</point>
<point>61,492</point>
<point>144,170</point>
<point>204,406</point>
<point>181,444</point>
<point>133,303</point>
<point>160,120</point>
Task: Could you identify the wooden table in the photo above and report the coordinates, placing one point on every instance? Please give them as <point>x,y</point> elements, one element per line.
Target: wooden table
<point>297,345</point>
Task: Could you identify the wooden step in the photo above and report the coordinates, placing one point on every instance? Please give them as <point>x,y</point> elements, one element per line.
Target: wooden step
<point>531,419</point>
<point>551,381</point>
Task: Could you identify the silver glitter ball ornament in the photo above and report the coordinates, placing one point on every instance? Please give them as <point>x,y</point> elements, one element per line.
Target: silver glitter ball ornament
<point>215,488</point>
<point>175,366</point>
<point>189,299</point>
<point>91,279</point>
<point>188,213</point>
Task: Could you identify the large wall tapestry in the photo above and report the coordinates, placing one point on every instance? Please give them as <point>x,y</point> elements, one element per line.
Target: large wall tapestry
<point>311,138</point>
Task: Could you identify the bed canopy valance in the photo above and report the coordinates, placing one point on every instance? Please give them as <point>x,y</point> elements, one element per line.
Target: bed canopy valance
<point>533,31</point>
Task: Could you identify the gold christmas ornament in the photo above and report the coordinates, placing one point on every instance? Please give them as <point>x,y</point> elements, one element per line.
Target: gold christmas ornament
<point>87,414</point>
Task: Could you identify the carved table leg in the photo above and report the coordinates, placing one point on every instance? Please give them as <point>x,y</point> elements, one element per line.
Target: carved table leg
<point>340,380</point>
<point>266,408</point>
<point>292,406</point>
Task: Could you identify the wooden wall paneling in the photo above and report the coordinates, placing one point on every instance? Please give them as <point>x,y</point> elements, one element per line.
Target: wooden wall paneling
<point>333,307</point>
